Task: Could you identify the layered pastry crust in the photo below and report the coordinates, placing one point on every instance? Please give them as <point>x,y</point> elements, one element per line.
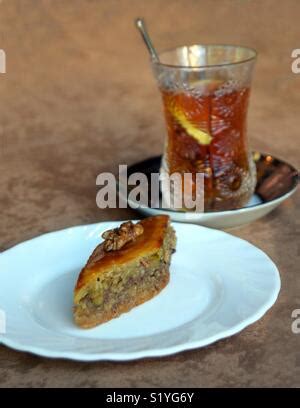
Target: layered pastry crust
<point>130,267</point>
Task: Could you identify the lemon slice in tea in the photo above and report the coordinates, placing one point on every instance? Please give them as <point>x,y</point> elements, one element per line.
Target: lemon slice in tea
<point>202,137</point>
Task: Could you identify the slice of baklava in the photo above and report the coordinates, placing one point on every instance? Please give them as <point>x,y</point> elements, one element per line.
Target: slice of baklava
<point>128,268</point>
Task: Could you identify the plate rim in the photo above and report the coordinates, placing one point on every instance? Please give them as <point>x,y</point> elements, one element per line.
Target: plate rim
<point>151,353</point>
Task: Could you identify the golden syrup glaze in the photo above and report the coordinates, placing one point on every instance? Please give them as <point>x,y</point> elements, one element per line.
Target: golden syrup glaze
<point>145,245</point>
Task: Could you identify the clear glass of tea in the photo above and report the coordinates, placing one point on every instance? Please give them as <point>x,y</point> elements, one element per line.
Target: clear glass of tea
<point>205,91</point>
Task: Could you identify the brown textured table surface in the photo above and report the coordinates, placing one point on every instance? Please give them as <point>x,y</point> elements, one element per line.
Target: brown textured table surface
<point>78,98</point>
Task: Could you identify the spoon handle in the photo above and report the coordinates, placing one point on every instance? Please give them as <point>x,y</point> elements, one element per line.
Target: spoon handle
<point>141,26</point>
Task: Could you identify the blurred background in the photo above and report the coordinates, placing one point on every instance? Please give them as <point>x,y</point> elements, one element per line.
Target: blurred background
<point>79,98</point>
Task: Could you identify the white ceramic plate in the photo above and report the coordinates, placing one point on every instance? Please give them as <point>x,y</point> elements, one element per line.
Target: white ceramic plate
<point>219,285</point>
<point>277,180</point>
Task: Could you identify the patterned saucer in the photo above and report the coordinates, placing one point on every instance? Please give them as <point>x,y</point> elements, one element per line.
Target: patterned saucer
<point>276,181</point>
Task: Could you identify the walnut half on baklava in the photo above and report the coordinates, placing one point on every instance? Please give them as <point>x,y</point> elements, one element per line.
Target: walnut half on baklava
<point>130,267</point>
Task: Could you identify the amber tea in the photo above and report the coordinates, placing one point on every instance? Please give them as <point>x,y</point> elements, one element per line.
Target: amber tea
<point>207,134</point>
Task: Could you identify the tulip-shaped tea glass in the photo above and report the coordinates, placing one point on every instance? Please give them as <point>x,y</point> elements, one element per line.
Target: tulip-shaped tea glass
<point>205,91</point>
